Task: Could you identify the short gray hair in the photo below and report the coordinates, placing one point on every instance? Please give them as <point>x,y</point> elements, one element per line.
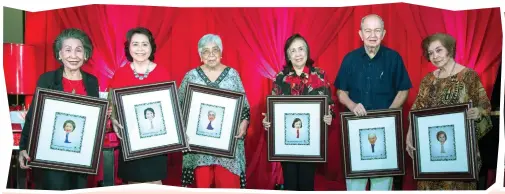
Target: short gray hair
<point>371,15</point>
<point>208,38</point>
<point>371,135</point>
<point>211,113</point>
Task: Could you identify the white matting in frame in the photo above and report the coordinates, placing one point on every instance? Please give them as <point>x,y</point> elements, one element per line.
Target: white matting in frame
<point>55,145</point>
<point>200,130</point>
<point>150,119</point>
<point>429,148</point>
<point>377,131</point>
<point>286,142</point>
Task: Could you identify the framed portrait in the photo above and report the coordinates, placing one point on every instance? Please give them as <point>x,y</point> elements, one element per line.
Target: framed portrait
<point>445,143</point>
<point>298,132</point>
<point>67,131</point>
<point>151,117</point>
<point>212,119</point>
<point>373,144</point>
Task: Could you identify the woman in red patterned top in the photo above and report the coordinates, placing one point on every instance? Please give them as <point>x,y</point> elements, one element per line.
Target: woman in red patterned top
<point>140,48</point>
<point>300,77</point>
<point>72,48</point>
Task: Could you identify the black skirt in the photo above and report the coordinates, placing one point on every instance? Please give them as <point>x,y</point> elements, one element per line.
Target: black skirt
<point>46,179</point>
<point>143,170</point>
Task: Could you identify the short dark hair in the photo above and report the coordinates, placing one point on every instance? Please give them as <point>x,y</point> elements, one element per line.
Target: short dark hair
<point>71,122</point>
<point>288,43</point>
<point>139,30</point>
<point>441,133</point>
<point>148,109</point>
<point>76,34</point>
<point>296,120</point>
<point>446,40</point>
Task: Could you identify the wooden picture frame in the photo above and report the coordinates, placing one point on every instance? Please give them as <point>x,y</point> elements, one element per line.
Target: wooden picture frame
<point>67,131</point>
<point>213,135</point>
<point>305,114</point>
<point>428,127</point>
<point>152,121</point>
<point>377,148</point>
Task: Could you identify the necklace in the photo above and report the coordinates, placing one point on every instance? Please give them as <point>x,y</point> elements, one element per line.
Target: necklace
<point>452,70</point>
<point>433,88</point>
<point>141,77</point>
<point>70,81</point>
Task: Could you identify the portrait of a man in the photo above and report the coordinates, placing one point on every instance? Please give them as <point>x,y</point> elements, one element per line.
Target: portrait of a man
<point>210,120</point>
<point>150,119</point>
<point>68,131</point>
<point>373,143</point>
<point>442,143</point>
<point>372,138</point>
<point>296,129</point>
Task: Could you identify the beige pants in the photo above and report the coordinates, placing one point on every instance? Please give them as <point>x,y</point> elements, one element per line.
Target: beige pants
<point>154,182</point>
<point>376,184</point>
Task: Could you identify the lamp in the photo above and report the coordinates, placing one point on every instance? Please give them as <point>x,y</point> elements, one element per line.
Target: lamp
<point>19,69</point>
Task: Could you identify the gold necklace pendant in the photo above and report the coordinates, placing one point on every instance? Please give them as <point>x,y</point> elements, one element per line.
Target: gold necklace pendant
<point>69,81</point>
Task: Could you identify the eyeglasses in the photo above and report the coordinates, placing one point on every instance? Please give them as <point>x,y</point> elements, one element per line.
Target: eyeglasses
<point>215,52</point>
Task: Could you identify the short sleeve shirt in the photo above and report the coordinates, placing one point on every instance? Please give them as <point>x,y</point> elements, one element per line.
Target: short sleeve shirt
<point>373,82</point>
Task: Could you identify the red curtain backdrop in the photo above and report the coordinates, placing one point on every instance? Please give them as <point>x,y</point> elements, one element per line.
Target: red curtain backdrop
<point>253,41</point>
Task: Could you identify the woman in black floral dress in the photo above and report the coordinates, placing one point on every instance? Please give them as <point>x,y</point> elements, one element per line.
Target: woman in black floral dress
<point>300,77</point>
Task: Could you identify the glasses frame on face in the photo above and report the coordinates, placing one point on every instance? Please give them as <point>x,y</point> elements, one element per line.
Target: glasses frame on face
<point>215,51</point>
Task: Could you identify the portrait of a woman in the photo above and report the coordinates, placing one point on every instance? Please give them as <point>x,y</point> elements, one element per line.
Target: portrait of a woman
<point>149,115</point>
<point>204,170</point>
<point>68,127</point>
<point>297,124</point>
<point>212,117</point>
<point>451,83</point>
<point>300,76</point>
<point>441,137</point>
<point>141,68</point>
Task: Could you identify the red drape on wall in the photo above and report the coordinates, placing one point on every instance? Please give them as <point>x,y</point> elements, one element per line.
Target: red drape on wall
<point>253,41</point>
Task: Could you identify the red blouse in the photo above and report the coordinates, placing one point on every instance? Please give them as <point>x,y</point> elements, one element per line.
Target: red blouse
<point>74,85</point>
<point>124,77</point>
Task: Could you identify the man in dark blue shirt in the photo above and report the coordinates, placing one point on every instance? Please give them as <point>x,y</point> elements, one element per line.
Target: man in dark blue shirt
<point>372,77</point>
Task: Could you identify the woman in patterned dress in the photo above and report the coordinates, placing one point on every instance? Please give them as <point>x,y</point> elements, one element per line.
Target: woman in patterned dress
<point>206,170</point>
<point>300,77</point>
<point>451,83</point>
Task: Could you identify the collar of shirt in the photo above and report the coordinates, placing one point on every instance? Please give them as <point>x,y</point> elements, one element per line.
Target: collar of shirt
<point>363,52</point>
<point>305,71</point>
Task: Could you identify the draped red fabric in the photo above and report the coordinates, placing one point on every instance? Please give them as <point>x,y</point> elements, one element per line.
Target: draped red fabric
<point>253,43</point>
